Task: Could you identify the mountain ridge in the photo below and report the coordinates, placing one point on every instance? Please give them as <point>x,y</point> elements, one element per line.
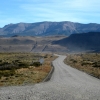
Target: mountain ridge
<point>47,28</point>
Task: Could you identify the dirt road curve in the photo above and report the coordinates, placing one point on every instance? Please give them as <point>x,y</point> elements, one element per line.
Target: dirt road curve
<point>66,84</point>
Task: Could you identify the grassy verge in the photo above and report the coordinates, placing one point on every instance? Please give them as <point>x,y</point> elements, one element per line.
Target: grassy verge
<point>89,63</point>
<point>23,68</point>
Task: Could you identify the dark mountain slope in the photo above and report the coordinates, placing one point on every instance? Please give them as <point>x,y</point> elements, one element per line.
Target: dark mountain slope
<point>81,42</point>
<point>48,28</point>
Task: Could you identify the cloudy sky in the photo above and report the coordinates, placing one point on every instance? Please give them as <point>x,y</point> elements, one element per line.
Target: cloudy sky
<point>30,11</point>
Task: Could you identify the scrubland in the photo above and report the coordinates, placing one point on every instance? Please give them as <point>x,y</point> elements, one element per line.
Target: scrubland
<point>87,62</point>
<point>23,68</point>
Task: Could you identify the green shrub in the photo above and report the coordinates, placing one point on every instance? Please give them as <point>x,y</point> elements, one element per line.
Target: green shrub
<point>23,65</point>
<point>7,73</point>
<point>96,64</point>
<point>13,65</point>
<point>6,66</point>
<point>36,64</point>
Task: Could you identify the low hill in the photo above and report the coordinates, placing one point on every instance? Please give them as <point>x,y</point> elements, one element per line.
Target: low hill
<point>30,44</point>
<point>81,42</point>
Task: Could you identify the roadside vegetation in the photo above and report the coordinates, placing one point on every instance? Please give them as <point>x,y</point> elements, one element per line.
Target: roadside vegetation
<point>23,68</point>
<point>88,62</point>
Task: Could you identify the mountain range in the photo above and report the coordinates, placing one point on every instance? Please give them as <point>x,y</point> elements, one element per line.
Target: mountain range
<point>48,28</point>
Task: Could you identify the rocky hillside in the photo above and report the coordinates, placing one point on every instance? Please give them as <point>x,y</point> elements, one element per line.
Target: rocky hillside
<point>48,28</point>
<point>81,42</point>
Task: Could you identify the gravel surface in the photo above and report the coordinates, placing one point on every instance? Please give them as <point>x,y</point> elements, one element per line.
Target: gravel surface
<point>66,84</point>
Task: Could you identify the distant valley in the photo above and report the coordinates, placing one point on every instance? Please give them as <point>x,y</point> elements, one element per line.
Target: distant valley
<point>84,42</point>
<point>30,44</point>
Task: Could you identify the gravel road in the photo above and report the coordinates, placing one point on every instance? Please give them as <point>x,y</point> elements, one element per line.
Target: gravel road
<point>66,84</point>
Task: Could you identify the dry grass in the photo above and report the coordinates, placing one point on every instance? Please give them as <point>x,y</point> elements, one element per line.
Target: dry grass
<point>29,75</point>
<point>89,63</point>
